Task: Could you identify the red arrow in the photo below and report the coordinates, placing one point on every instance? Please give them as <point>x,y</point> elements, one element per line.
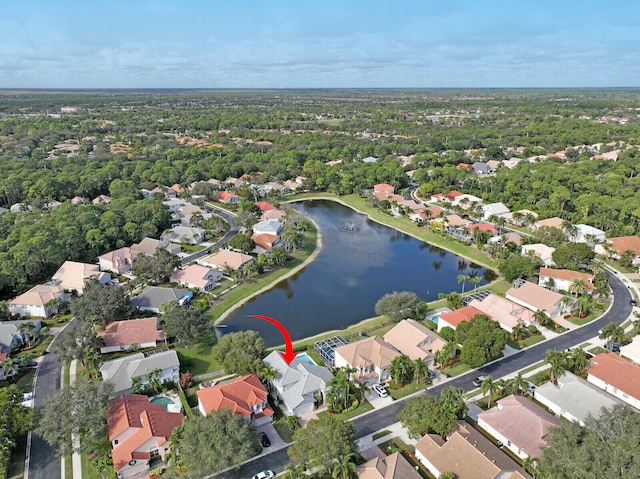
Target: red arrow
<point>290,354</point>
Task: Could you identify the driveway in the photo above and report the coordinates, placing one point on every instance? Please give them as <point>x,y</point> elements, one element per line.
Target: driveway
<point>276,441</point>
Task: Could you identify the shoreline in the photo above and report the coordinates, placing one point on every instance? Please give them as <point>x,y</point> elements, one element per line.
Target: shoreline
<point>269,286</point>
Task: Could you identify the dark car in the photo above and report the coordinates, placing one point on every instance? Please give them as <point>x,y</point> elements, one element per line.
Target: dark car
<point>633,302</point>
<point>431,373</point>
<point>264,440</point>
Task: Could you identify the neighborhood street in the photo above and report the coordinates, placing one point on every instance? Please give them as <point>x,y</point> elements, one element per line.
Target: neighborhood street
<point>228,217</point>
<point>379,419</point>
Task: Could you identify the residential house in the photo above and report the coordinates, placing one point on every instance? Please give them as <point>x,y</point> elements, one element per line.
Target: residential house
<point>183,215</point>
<point>506,313</point>
<point>197,276</point>
<point>185,234</point>
<point>617,376</point>
<point>541,251</point>
<point>573,398</point>
<point>175,204</point>
<point>469,231</point>
<point>139,432</point>
<point>245,396</point>
<point>369,159</point>
<point>466,201</point>
<point>118,261</point>
<point>394,466</point>
<point>554,222</point>
<point>225,258</point>
<point>153,297</point>
<point>228,198</point>
<point>264,242</point>
<point>384,188</point>
<point>37,301</point>
<point>371,357</point>
<point>71,275</point>
<point>273,215</point>
<point>265,206</point>
<point>481,169</point>
<point>493,165</point>
<point>292,185</point>
<point>149,246</point>
<point>524,214</point>
<point>561,279</point>
<point>126,334</point>
<point>587,234</point>
<point>271,227</point>
<point>11,336</point>
<point>301,386</point>
<point>454,221</point>
<point>413,339</point>
<point>468,454</point>
<point>122,371</point>
<point>21,208</point>
<point>616,247</point>
<point>631,351</point>
<point>101,200</point>
<point>494,209</point>
<point>519,424</point>
<point>510,237</point>
<point>453,319</point>
<point>535,297</point>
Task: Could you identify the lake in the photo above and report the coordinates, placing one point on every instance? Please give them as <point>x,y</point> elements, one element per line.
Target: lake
<point>360,262</point>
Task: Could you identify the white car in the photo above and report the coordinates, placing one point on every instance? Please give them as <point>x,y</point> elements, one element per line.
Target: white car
<point>380,390</point>
<point>265,475</point>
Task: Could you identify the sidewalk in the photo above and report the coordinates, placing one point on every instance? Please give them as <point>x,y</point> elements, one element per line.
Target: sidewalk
<point>76,459</point>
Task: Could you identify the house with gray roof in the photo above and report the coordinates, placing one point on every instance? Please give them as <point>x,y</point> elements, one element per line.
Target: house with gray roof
<point>122,371</point>
<point>299,383</point>
<point>184,234</point>
<point>152,297</point>
<point>10,334</point>
<point>271,227</point>
<point>481,168</point>
<point>574,398</point>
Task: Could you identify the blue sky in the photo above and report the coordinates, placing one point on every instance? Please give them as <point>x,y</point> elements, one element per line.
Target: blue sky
<point>319,44</point>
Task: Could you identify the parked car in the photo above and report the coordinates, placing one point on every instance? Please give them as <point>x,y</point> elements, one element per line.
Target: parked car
<point>477,382</point>
<point>264,475</point>
<point>380,390</point>
<point>431,373</point>
<point>264,439</point>
<point>633,302</point>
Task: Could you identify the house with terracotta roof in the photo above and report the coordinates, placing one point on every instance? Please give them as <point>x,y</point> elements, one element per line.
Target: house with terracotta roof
<point>139,432</point>
<point>197,276</point>
<point>394,466</point>
<point>245,396</point>
<point>273,215</point>
<point>616,247</point>
<point>118,261</point>
<point>123,335</point>
<point>520,424</point>
<point>292,185</point>
<point>225,258</point>
<point>228,198</point>
<point>71,275</point>
<point>453,319</point>
<point>264,242</point>
<point>506,313</point>
<point>573,398</point>
<point>371,357</point>
<point>561,279</point>
<point>455,221</point>
<point>617,376</point>
<point>413,339</point>
<point>101,200</point>
<point>265,206</point>
<point>631,351</point>
<point>122,371</point>
<point>541,251</point>
<point>468,454</point>
<point>535,297</point>
<point>554,222</point>
<point>36,301</point>
<point>299,384</point>
<point>384,188</point>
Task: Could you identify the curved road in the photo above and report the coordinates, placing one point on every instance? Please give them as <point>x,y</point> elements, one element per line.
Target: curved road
<point>382,418</point>
<point>228,217</point>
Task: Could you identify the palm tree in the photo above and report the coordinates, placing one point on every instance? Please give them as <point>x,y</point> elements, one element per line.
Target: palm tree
<point>294,471</point>
<point>9,367</point>
<point>584,306</point>
<point>597,268</point>
<point>489,387</point>
<point>613,332</point>
<point>343,468</point>
<point>400,369</point>
<point>28,332</point>
<point>529,464</point>
<point>173,457</point>
<point>542,318</point>
<point>419,370</point>
<point>463,278</point>
<point>475,281</point>
<point>578,286</point>
<point>362,387</point>
<point>557,361</point>
<point>268,374</point>
<point>519,384</point>
<point>577,360</point>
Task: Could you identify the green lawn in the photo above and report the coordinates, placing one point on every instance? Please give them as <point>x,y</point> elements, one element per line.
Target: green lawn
<point>531,340</point>
<point>362,408</point>
<point>406,390</point>
<point>38,349</point>
<point>198,359</point>
<point>457,369</point>
<point>25,383</point>
<point>191,248</point>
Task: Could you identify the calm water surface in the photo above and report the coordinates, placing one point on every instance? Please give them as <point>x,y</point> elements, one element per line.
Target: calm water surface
<point>360,262</point>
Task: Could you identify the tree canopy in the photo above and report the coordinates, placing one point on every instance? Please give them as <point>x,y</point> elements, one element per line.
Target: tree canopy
<point>240,352</point>
<point>101,304</point>
<point>398,305</point>
<point>431,414</point>
<point>482,340</point>
<point>185,324</point>
<point>157,267</point>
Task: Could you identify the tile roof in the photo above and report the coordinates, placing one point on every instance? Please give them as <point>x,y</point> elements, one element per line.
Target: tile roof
<point>454,318</point>
<point>195,274</point>
<point>265,206</point>
<point>568,275</point>
<point>482,227</point>
<point>132,331</point>
<point>39,295</point>
<point>265,240</point>
<point>273,214</point>
<point>229,258</point>
<point>502,310</point>
<point>536,297</point>
<point>394,466</point>
<point>368,351</point>
<point>71,274</point>
<point>414,340</point>
<point>617,372</point>
<point>522,422</point>
<point>385,187</point>
<point>623,243</point>
<point>554,222</point>
<point>237,395</point>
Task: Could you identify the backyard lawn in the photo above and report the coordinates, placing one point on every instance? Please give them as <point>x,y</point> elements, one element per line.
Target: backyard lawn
<point>198,359</point>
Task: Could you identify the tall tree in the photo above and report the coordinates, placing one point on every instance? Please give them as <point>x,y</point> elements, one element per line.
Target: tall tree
<point>101,304</point>
<point>613,333</point>
<point>240,352</point>
<point>186,324</point>
<point>157,267</point>
<point>397,305</point>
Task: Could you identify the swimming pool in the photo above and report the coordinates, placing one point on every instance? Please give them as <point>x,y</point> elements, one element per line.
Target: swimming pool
<point>165,401</point>
<point>306,358</point>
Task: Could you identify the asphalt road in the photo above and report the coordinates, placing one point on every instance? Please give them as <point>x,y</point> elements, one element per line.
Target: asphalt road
<point>43,463</point>
<point>382,418</point>
<point>225,239</point>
